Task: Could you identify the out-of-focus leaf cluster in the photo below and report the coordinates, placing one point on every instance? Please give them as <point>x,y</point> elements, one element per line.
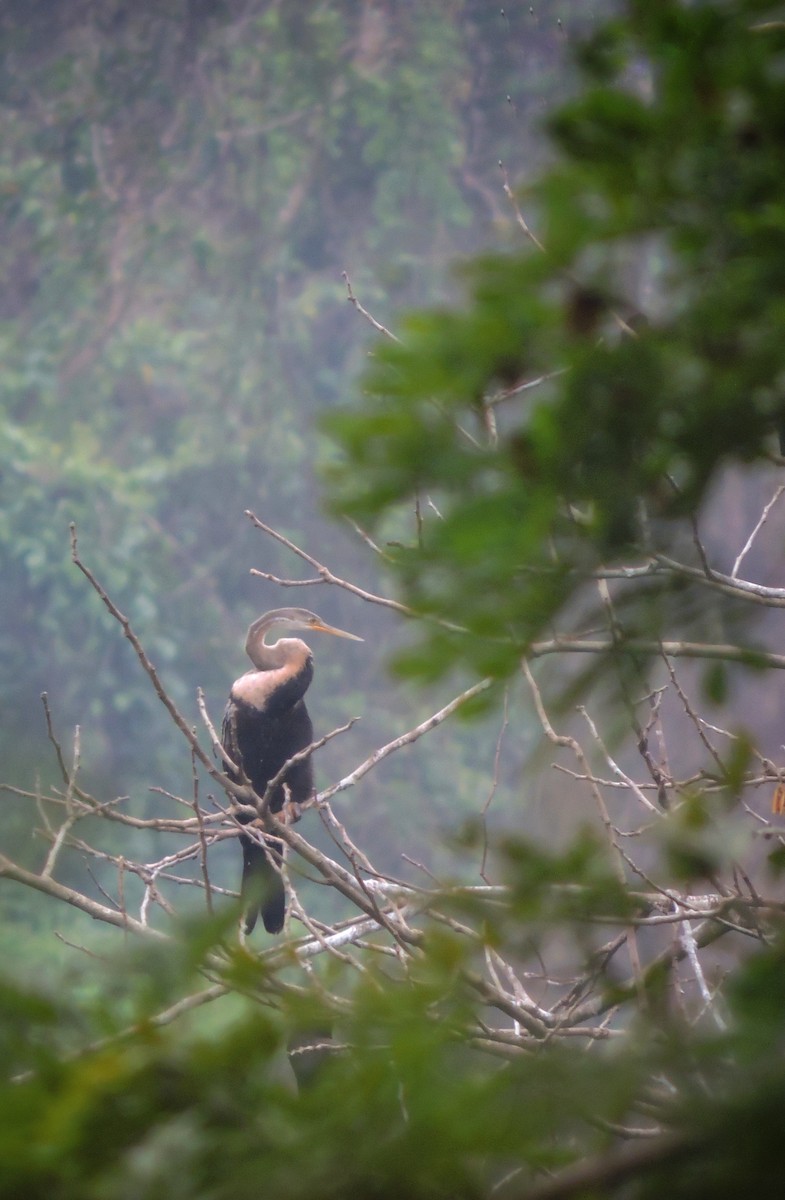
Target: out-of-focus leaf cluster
<point>112,1089</point>
<point>654,313</point>
<point>402,1099</point>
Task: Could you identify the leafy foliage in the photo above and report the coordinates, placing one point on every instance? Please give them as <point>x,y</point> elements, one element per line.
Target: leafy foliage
<point>402,1103</point>
<point>564,1031</point>
<point>665,201</point>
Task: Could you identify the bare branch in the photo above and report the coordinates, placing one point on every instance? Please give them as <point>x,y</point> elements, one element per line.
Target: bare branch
<point>518,214</point>
<point>744,589</point>
<point>494,784</point>
<point>591,1174</point>
<point>50,887</point>
<point>53,739</point>
<point>147,666</point>
<point>762,519</point>
<point>72,814</point>
<point>300,756</point>
<point>364,312</point>
<point>405,739</point>
<point>563,644</point>
<point>325,575</point>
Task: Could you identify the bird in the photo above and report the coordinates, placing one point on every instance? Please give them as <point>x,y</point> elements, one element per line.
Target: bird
<point>265,724</point>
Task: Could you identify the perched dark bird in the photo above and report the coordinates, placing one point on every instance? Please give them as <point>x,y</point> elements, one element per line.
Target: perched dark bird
<point>265,724</point>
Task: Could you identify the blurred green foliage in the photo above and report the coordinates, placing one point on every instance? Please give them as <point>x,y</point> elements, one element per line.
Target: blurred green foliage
<point>181,187</point>
<point>108,1096</point>
<point>120,413</point>
<point>663,209</point>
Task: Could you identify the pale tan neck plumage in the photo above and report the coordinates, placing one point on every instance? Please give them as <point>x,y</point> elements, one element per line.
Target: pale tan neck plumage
<point>273,666</point>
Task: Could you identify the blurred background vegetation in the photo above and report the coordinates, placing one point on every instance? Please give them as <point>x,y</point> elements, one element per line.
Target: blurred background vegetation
<point>181,187</point>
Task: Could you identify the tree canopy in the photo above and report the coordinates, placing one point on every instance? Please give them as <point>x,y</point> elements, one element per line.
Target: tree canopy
<point>580,992</point>
<point>580,404</point>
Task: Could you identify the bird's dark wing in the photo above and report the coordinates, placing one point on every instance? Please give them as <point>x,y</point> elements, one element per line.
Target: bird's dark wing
<point>261,888</point>
<point>260,744</point>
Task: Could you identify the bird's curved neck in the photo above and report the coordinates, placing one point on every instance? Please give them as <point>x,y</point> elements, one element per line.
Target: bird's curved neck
<point>281,676</point>
<point>283,653</point>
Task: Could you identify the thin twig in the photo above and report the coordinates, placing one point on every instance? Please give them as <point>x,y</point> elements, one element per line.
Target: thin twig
<point>758,526</point>
<point>58,891</point>
<point>518,214</point>
<point>405,739</point>
<point>364,312</point>
<point>494,784</point>
<point>72,814</point>
<point>147,666</point>
<point>208,891</point>
<point>562,644</point>
<point>325,575</point>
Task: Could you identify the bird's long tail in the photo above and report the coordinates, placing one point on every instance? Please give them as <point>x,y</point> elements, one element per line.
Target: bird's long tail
<point>262,889</point>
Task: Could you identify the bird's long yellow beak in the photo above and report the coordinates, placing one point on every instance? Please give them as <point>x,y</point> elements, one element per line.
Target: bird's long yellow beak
<point>337,632</point>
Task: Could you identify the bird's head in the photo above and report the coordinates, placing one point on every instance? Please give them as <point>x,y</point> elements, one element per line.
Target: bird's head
<point>287,620</point>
